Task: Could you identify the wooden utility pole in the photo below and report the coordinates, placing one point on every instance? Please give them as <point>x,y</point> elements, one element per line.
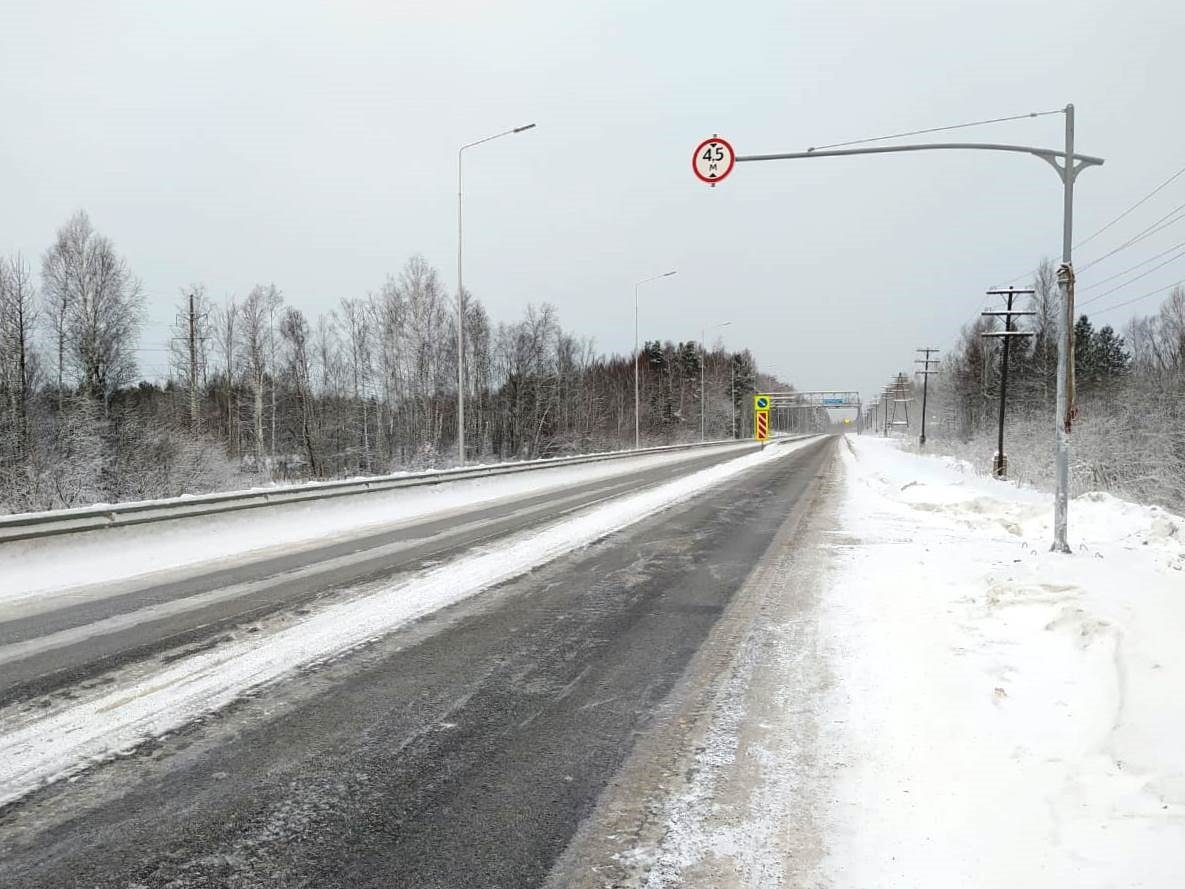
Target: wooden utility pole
<point>1000,463</point>
<point>925,372</point>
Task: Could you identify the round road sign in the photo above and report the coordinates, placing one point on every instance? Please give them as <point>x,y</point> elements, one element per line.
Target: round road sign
<point>713,160</point>
<point>762,402</point>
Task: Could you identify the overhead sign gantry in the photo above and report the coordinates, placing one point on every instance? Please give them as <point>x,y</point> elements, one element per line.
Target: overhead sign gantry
<point>821,400</point>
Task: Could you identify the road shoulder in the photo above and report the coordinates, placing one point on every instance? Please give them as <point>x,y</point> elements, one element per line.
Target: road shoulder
<point>724,790</point>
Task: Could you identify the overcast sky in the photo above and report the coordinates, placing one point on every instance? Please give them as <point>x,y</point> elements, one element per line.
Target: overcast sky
<point>314,145</point>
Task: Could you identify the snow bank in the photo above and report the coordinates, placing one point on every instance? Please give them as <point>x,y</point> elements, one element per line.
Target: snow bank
<point>34,568</point>
<point>1003,716</point>
<point>63,742</point>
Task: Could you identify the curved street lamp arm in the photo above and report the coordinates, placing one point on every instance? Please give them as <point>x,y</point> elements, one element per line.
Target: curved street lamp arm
<point>495,136</point>
<point>655,278</point>
<point>1050,155</point>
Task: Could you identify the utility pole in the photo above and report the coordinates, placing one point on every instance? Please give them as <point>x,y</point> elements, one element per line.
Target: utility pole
<point>193,397</point>
<point>1000,463</point>
<point>925,372</point>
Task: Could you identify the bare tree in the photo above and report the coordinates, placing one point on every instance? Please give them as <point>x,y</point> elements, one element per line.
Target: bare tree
<point>226,337</point>
<point>426,325</point>
<point>295,331</point>
<point>356,325</point>
<point>63,280</point>
<point>18,316</point>
<point>371,385</point>
<point>255,340</point>
<point>189,346</point>
<point>97,305</point>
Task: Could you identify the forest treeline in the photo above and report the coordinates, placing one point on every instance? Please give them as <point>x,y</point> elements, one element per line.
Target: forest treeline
<point>258,391</point>
<point>1129,434</point>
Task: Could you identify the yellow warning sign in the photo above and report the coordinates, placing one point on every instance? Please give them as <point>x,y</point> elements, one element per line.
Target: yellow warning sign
<point>761,426</point>
<point>760,402</point>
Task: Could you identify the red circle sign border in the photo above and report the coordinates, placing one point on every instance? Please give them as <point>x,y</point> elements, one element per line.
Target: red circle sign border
<point>732,160</point>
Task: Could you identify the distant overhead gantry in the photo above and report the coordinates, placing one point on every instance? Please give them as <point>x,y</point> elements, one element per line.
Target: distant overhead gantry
<point>823,399</point>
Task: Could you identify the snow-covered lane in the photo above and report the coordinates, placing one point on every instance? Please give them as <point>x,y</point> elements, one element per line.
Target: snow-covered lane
<point>1003,716</point>
<point>43,574</point>
<point>54,746</point>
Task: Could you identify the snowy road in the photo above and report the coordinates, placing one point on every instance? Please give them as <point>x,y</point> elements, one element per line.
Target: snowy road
<point>462,749</point>
<point>67,632</point>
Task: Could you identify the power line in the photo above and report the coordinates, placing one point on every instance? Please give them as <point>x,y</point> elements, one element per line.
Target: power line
<point>1102,281</point>
<point>1131,208</point>
<point>1177,215</point>
<point>1157,226</point>
<point>957,126</point>
<point>1134,299</point>
<point>1122,215</point>
<point>1133,280</point>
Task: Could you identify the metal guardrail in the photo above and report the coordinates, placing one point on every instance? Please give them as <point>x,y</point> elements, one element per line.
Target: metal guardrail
<point>94,518</point>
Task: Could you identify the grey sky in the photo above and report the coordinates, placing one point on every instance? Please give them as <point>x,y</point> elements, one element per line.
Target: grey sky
<point>314,145</point>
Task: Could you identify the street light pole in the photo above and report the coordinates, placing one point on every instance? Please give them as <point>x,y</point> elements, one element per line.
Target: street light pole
<point>703,359</point>
<point>637,361</point>
<point>461,295</point>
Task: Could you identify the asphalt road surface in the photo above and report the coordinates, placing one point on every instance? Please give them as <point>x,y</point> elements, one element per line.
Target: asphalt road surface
<point>45,651</point>
<point>463,750</point>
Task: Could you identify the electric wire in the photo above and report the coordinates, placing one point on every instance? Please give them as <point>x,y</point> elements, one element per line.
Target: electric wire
<point>1134,299</point>
<point>1099,296</point>
<point>1159,225</point>
<point>957,126</point>
<point>1122,215</point>
<point>1102,281</point>
<point>1132,207</point>
<point>1135,239</point>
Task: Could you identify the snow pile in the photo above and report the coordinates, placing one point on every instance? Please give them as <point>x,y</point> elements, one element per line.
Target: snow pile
<point>32,568</point>
<point>60,743</point>
<point>1002,716</point>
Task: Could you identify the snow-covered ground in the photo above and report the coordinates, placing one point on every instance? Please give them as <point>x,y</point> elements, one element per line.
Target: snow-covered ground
<point>927,698</point>
<point>1001,716</point>
<point>40,747</point>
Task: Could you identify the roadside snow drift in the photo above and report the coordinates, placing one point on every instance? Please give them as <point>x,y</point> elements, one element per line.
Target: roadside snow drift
<point>1003,716</point>
<point>58,744</point>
